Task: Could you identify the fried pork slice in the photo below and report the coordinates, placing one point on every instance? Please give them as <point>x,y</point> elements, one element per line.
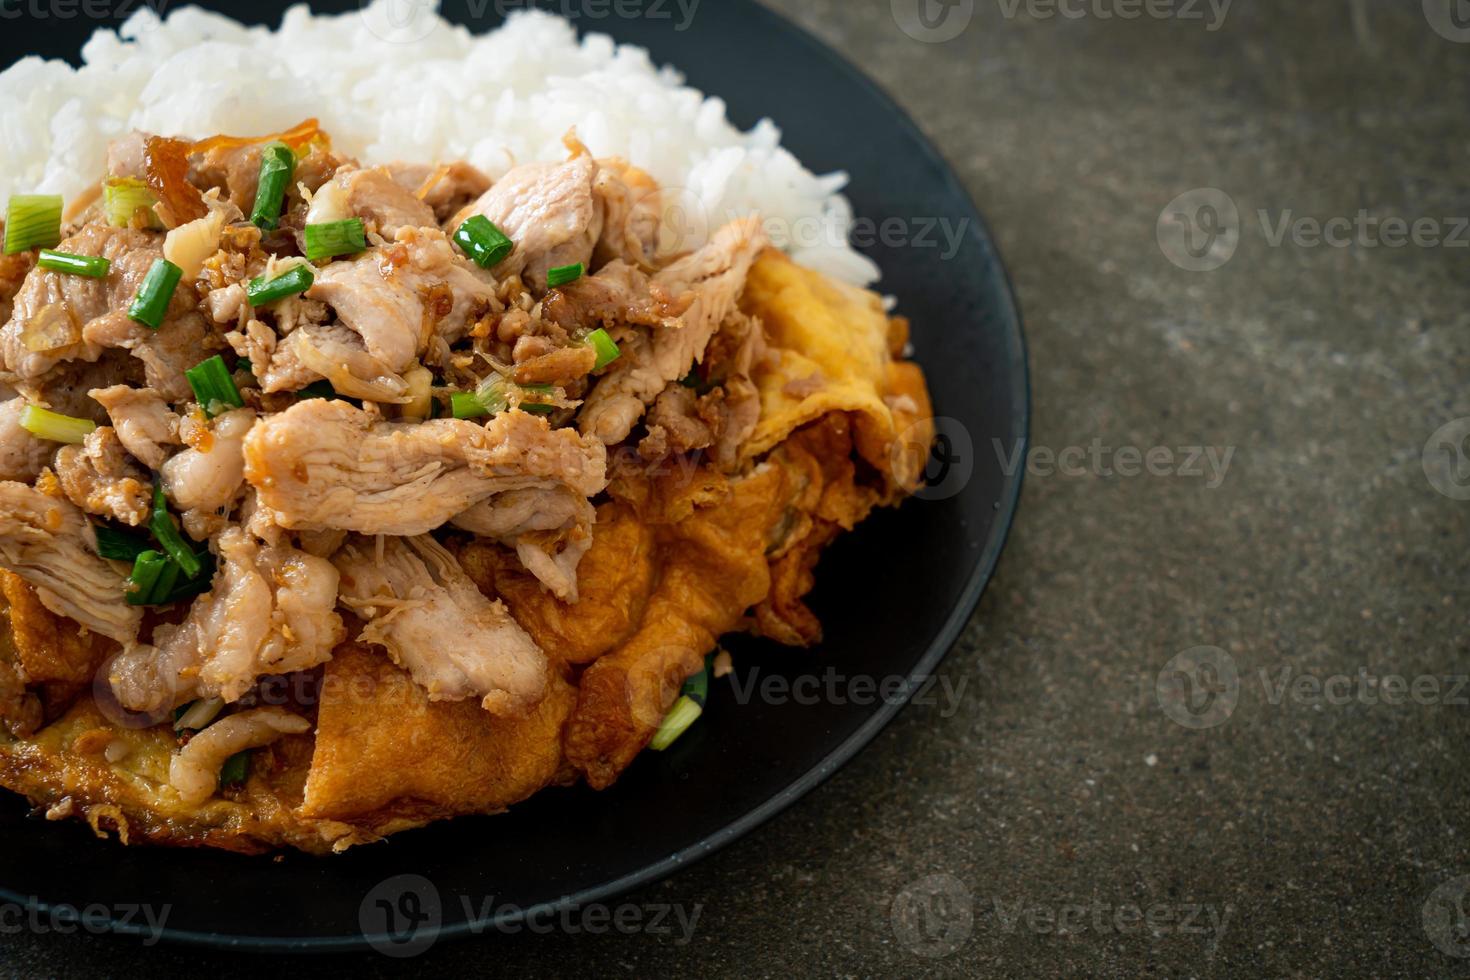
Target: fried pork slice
<point>194,771</point>
<point>399,297</point>
<point>323,465</point>
<point>204,480</point>
<point>49,542</point>
<point>54,310</point>
<point>22,455</point>
<point>166,353</point>
<point>550,529</point>
<point>632,208</point>
<point>551,213</point>
<point>446,188</point>
<point>145,424</point>
<point>435,623</point>
<point>383,204</point>
<point>100,478</point>
<point>650,361</point>
<point>271,610</point>
<point>334,352</point>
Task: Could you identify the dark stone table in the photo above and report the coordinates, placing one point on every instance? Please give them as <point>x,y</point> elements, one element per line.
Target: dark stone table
<point>1075,810</point>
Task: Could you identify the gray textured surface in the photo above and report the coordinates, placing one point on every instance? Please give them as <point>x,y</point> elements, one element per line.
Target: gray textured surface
<point>1320,829</point>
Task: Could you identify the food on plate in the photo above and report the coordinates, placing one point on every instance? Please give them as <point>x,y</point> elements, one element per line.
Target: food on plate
<point>338,497</point>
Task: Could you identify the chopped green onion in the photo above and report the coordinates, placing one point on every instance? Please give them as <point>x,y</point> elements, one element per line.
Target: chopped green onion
<point>197,714</point>
<point>276,166</point>
<point>235,769</point>
<point>187,587</point>
<point>32,220</point>
<point>53,426</point>
<point>118,545</point>
<point>686,711</point>
<point>317,389</point>
<point>92,266</point>
<point>169,536</point>
<point>124,197</point>
<point>297,279</point>
<point>334,238</point>
<point>213,386</point>
<point>696,688</point>
<point>604,345</point>
<point>467,405</point>
<point>483,242</point>
<point>152,578</point>
<point>151,303</point>
<point>564,274</point>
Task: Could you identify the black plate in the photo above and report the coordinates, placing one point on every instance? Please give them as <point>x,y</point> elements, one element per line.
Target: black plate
<point>893,596</point>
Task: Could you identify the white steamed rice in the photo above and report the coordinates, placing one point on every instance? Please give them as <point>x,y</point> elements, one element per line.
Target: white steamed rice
<point>418,89</point>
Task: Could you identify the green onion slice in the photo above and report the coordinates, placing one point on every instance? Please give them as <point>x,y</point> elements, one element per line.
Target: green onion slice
<point>197,714</point>
<point>334,238</point>
<point>213,386</point>
<point>686,711</point>
<point>483,242</point>
<point>297,279</point>
<point>564,274</point>
<point>317,389</point>
<point>467,405</point>
<point>53,426</point>
<point>118,545</point>
<point>124,197</point>
<point>32,220</point>
<point>276,166</point>
<point>604,345</point>
<point>169,536</point>
<point>151,303</point>
<point>92,266</point>
<point>235,769</point>
<point>153,576</point>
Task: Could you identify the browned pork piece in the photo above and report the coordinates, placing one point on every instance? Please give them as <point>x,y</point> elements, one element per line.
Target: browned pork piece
<point>145,424</point>
<point>436,624</point>
<point>324,465</point>
<point>272,610</point>
<point>194,771</point>
<point>715,276</point>
<point>535,522</point>
<point>48,542</point>
<point>22,455</point>
<point>100,478</point>
<point>549,211</point>
<point>373,195</point>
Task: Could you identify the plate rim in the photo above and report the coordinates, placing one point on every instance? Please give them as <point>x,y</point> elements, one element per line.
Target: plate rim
<point>1007,507</point>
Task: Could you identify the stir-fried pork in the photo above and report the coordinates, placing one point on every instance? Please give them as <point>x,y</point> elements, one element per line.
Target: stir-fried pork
<point>22,455</point>
<point>549,211</point>
<point>435,623</point>
<point>550,529</point>
<point>205,479</point>
<point>48,542</point>
<point>373,195</point>
<point>272,610</point>
<point>715,275</point>
<point>194,772</point>
<point>100,478</point>
<point>145,424</point>
<point>325,464</point>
